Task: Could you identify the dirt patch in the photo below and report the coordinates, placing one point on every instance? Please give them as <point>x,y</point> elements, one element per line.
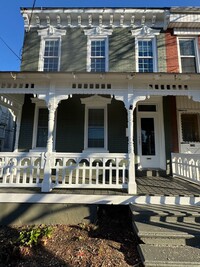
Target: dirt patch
<point>110,242</point>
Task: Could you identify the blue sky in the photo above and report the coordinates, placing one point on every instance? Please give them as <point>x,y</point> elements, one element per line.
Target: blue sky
<point>12,28</point>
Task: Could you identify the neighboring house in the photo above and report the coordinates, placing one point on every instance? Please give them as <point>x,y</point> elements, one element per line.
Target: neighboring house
<point>102,94</point>
<point>7,127</point>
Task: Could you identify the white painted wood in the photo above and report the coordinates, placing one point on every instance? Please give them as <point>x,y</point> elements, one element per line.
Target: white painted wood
<point>98,199</point>
<point>158,160</point>
<point>186,166</point>
<point>20,169</point>
<point>186,106</point>
<point>196,48</point>
<point>96,102</point>
<point>86,18</point>
<point>49,33</point>
<point>63,170</point>
<point>101,170</point>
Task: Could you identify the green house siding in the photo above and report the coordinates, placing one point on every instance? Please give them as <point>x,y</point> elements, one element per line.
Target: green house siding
<point>26,129</point>
<point>162,67</point>
<point>74,51</point>
<point>30,53</point>
<point>121,51</point>
<point>117,124</point>
<point>70,126</point>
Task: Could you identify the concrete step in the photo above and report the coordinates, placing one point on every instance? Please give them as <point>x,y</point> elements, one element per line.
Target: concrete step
<point>170,256</point>
<point>151,173</point>
<point>167,225</point>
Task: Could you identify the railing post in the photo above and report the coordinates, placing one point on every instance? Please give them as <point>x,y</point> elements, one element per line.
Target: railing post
<point>47,183</point>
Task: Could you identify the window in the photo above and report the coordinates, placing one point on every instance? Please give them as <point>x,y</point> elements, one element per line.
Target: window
<point>190,124</point>
<point>42,129</point>
<point>98,55</point>
<point>97,49</point>
<point>95,138</point>
<point>145,48</point>
<point>51,55</point>
<point>50,48</point>
<point>145,56</point>
<point>188,55</point>
<point>96,128</point>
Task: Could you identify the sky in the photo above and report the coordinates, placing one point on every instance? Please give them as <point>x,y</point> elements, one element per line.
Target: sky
<point>12,27</point>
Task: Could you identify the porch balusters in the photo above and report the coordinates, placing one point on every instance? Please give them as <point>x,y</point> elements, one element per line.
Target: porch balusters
<point>132,187</point>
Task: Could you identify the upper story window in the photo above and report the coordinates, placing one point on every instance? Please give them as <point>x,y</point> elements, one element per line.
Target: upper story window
<point>50,49</point>
<point>98,49</point>
<point>188,55</point>
<point>98,56</point>
<point>145,49</point>
<point>51,55</point>
<point>145,56</point>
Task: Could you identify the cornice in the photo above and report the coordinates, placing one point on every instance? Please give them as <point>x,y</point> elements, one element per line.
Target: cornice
<point>94,17</point>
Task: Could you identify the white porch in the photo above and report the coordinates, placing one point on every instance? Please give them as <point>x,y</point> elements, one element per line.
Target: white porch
<point>93,179</point>
<point>51,170</point>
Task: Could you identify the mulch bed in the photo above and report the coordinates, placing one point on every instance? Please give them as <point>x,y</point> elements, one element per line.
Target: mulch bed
<point>110,242</point>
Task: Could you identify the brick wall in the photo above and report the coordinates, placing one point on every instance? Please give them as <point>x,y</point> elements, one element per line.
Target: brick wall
<point>171,52</point>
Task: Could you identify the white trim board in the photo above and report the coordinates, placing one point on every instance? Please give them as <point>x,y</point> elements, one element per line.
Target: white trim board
<point>98,199</point>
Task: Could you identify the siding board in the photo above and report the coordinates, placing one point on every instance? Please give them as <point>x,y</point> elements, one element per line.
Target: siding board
<point>30,53</point>
<point>70,126</point>
<point>121,51</point>
<point>26,129</point>
<point>117,123</point>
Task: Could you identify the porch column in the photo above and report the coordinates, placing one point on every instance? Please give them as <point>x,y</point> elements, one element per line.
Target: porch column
<point>51,122</point>
<point>131,103</point>
<point>47,185</point>
<point>132,186</point>
<point>17,131</point>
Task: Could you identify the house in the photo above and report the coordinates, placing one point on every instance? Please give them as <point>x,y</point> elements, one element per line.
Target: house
<point>103,95</point>
<point>7,126</point>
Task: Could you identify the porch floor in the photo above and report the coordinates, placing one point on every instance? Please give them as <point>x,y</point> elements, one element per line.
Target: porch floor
<point>146,186</point>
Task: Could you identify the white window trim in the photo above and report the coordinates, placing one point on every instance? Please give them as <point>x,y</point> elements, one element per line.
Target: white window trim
<point>154,57</point>
<point>100,38</point>
<point>38,105</point>
<point>98,33</point>
<point>180,126</point>
<point>49,34</point>
<point>196,51</point>
<point>96,102</point>
<point>146,33</point>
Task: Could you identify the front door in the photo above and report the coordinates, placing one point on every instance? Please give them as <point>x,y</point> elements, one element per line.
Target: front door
<point>149,137</point>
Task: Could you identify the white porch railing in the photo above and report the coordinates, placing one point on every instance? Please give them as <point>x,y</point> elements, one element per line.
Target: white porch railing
<point>63,170</point>
<point>186,166</point>
<point>101,170</point>
<point>20,169</point>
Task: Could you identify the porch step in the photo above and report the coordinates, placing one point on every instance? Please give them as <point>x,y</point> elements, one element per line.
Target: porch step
<point>155,256</point>
<point>167,225</point>
<point>167,231</point>
<point>151,173</point>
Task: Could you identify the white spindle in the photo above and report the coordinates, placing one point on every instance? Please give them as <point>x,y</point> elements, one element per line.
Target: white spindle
<point>97,173</point>
<point>84,173</point>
